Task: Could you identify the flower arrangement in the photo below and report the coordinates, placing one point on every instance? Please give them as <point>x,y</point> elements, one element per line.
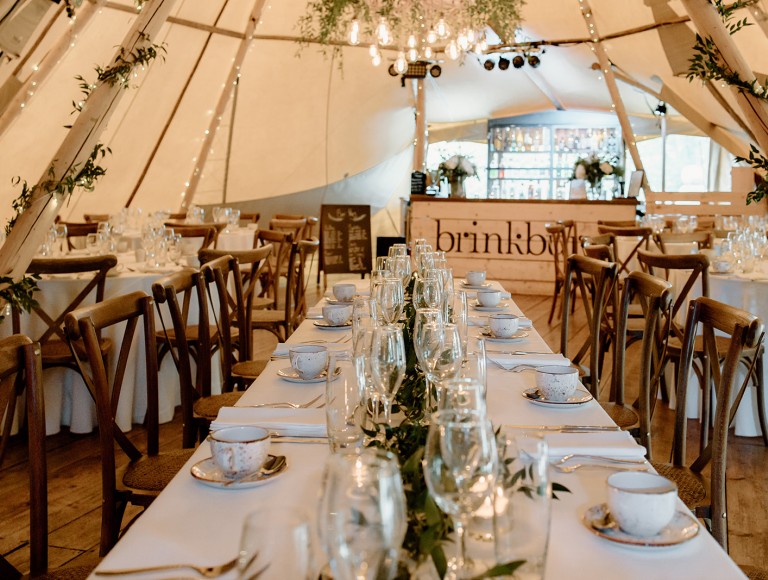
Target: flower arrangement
<point>593,168</point>
<point>456,168</point>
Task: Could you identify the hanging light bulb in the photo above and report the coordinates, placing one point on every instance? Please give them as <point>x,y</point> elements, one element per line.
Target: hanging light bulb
<point>376,59</point>
<point>354,33</point>
<point>382,32</point>
<point>400,64</point>
<point>413,55</point>
<point>431,37</point>
<point>428,52</point>
<point>442,28</point>
<point>479,49</point>
<point>452,50</point>
<point>471,36</point>
<point>462,41</point>
<point>483,45</point>
<point>412,41</point>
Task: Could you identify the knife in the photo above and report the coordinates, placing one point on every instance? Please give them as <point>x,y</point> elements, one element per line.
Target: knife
<point>569,428</point>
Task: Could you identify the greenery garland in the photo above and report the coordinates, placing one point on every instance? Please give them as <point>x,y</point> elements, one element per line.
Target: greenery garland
<point>428,527</point>
<point>707,64</point>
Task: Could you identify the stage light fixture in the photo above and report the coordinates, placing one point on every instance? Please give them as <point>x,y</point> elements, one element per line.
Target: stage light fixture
<point>435,70</point>
<point>503,63</point>
<point>518,61</point>
<point>534,61</point>
<point>489,64</point>
<point>391,70</point>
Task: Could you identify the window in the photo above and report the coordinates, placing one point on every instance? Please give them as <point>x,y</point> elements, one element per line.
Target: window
<point>687,165</point>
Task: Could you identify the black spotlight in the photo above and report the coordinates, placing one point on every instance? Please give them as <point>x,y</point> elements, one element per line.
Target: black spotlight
<point>518,61</point>
<point>391,70</point>
<point>503,63</point>
<point>435,70</point>
<point>534,61</point>
<point>489,64</point>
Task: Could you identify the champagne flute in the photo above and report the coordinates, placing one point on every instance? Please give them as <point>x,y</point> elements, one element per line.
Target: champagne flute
<point>460,465</point>
<point>401,268</point>
<point>388,364</point>
<point>427,329</point>
<point>389,300</point>
<point>362,516</point>
<point>459,315</point>
<point>428,290</point>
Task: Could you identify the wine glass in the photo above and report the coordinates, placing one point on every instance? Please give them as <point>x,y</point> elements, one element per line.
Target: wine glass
<point>428,290</point>
<point>461,394</point>
<point>389,300</point>
<point>362,516</point>
<point>61,246</point>
<point>460,464</point>
<point>401,268</point>
<point>458,314</point>
<point>427,331</point>
<point>446,364</point>
<point>387,364</point>
<point>446,279</point>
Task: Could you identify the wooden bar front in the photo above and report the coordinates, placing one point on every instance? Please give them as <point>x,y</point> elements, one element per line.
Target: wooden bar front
<point>506,237</point>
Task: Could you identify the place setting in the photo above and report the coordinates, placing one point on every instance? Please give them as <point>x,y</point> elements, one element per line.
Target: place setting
<point>309,364</point>
<point>504,329</point>
<point>335,317</point>
<point>342,294</point>
<point>558,387</point>
<point>489,301</point>
<point>475,280</point>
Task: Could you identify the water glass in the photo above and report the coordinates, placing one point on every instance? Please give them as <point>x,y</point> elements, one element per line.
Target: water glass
<point>362,516</point>
<point>277,543</point>
<point>344,406</point>
<point>475,365</point>
<point>389,300</point>
<point>61,246</point>
<point>387,365</point>
<point>92,243</point>
<point>428,290</point>
<point>461,394</point>
<point>459,315</point>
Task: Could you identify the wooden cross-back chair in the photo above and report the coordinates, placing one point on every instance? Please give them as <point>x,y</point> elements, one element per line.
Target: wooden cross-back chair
<point>91,218</point>
<point>702,239</point>
<point>21,373</point>
<point>655,298</point>
<point>208,234</point>
<point>275,267</point>
<point>148,471</point>
<point>558,242</point>
<point>643,236</point>
<point>79,230</point>
<point>293,225</point>
<point>52,340</point>
<point>696,267</point>
<point>249,218</point>
<point>742,331</point>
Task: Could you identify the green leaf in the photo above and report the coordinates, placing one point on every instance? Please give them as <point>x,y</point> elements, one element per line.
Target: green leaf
<point>507,569</point>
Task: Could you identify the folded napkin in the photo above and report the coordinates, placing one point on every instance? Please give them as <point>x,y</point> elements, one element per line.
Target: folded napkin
<point>281,350</point>
<point>616,444</point>
<point>289,422</point>
<point>483,321</point>
<point>536,360</point>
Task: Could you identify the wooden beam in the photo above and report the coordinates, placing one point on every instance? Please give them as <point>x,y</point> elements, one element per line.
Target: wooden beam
<point>33,225</point>
<point>183,22</point>
<point>226,92</point>
<point>613,89</point>
<point>421,138</point>
<point>544,87</point>
<point>717,133</point>
<point>710,24</point>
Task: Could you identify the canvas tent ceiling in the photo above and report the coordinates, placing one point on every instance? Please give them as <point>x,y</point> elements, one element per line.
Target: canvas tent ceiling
<point>307,127</point>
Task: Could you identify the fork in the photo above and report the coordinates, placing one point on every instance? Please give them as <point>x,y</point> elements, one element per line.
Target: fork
<point>514,369</point>
<point>572,468</point>
<point>570,456</point>
<point>287,405</point>
<point>204,571</point>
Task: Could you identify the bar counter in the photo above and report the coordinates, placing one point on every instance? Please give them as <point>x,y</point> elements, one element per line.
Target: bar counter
<point>506,237</point>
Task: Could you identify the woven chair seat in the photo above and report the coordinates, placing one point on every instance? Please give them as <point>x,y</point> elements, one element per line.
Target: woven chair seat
<point>690,486</point>
<point>249,369</point>
<point>68,573</point>
<point>754,573</point>
<point>267,316</point>
<point>208,407</point>
<point>192,333</point>
<point>57,351</point>
<point>722,345</point>
<point>623,415</point>
<point>260,303</point>
<point>153,472</point>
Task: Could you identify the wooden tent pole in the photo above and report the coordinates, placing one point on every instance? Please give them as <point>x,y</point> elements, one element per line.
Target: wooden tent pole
<point>226,93</point>
<point>32,225</point>
<point>49,63</point>
<point>710,24</point>
<point>613,88</point>
<point>420,140</point>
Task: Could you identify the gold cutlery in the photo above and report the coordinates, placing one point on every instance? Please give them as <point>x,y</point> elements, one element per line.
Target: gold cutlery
<point>568,428</point>
<point>286,404</point>
<point>205,571</point>
<point>572,468</point>
<point>570,456</point>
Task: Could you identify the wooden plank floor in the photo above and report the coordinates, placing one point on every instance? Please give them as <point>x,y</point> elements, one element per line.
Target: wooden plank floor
<point>74,475</point>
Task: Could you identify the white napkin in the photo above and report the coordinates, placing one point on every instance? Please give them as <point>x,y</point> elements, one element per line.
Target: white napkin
<point>617,444</point>
<point>483,321</point>
<point>536,360</point>
<point>290,422</point>
<point>281,350</point>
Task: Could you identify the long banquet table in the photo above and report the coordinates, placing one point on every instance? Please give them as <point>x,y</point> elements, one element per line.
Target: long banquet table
<point>192,523</point>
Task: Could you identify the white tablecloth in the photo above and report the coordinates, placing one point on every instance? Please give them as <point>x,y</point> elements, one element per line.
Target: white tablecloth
<point>237,239</point>
<point>190,522</point>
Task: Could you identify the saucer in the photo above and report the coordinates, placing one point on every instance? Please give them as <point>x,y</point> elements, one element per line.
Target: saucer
<point>292,376</point>
<point>336,301</point>
<point>519,336</point>
<point>469,286</point>
<point>580,397</point>
<point>682,528</point>
<point>498,308</point>
<point>208,473</point>
<point>326,326</point>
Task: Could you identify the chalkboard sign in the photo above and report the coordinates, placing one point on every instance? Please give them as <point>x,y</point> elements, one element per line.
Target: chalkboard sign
<point>418,183</point>
<point>345,239</point>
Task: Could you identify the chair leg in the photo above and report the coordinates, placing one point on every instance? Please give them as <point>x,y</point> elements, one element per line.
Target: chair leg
<point>760,388</point>
<point>558,288</point>
<point>706,406</point>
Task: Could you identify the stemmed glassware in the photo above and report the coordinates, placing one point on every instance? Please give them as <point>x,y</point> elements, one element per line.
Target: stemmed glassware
<point>400,267</point>
<point>460,465</point>
<point>61,245</point>
<point>387,364</point>
<point>428,290</point>
<point>362,517</point>
<point>389,300</point>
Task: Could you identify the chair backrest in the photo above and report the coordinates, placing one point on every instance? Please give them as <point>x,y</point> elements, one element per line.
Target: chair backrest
<point>294,225</point>
<point>96,217</point>
<point>79,230</point>
<point>571,235</point>
<point>642,234</point>
<point>207,233</point>
<point>223,279</point>
<point>278,261</point>
<point>599,240</point>
<point>302,255</point>
<point>746,332</point>
<point>558,242</point>
<point>21,370</point>
<point>702,239</point>
<point>655,298</point>
<point>97,266</point>
<point>603,276</point>
<point>86,323</point>
<point>696,266</point>
<point>309,229</point>
<point>617,223</point>
<point>249,218</point>
<point>189,286</point>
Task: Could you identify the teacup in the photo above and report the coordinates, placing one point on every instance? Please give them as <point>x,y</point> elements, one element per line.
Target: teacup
<point>239,451</point>
<point>308,360</point>
<point>557,383</point>
<point>475,278</point>
<point>503,325</point>
<point>488,297</point>
<point>337,314</point>
<point>642,504</point>
<point>344,292</point>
